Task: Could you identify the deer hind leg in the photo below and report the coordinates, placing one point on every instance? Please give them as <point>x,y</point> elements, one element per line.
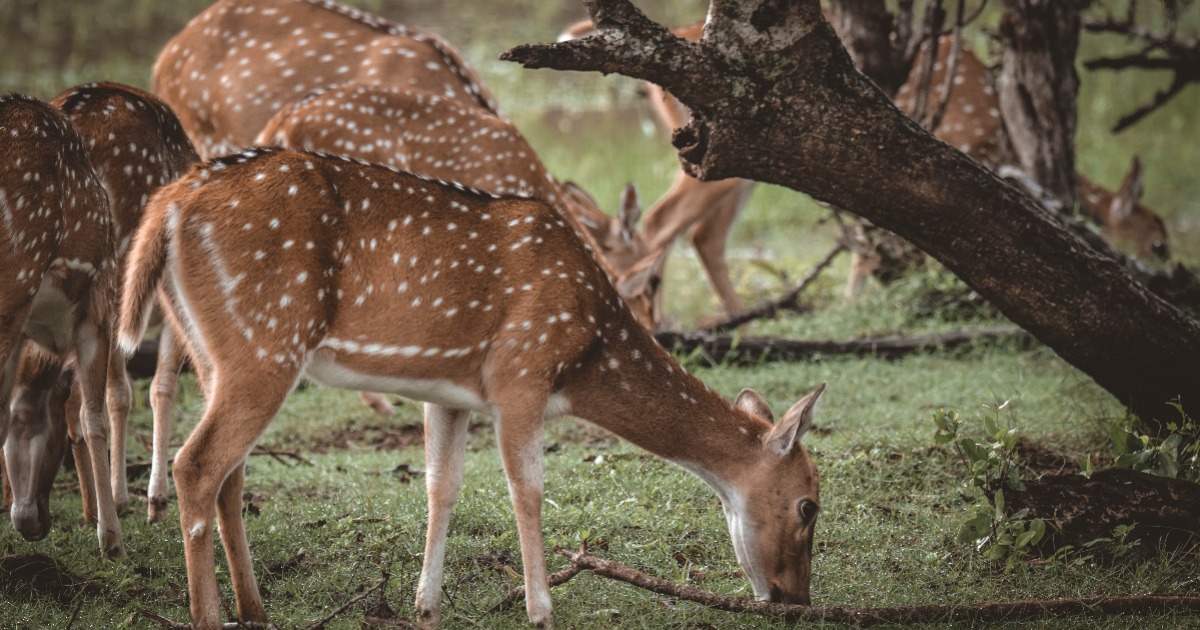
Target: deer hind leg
<point>208,480</point>
<point>237,549</point>
<point>519,420</point>
<point>92,349</point>
<point>162,404</point>
<point>119,397</point>
<point>710,237</point>
<point>445,447</point>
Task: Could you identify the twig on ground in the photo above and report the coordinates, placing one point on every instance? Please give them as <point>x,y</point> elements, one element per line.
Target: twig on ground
<point>517,594</point>
<point>977,613</point>
<point>789,300</point>
<point>278,456</point>
<point>320,623</point>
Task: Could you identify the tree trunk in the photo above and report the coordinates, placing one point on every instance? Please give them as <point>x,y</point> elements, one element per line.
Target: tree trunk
<point>776,98</point>
<point>868,31</point>
<point>1038,87</point>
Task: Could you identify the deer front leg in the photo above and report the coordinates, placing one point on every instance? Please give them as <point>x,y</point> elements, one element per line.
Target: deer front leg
<point>162,404</point>
<point>79,449</point>
<point>93,344</point>
<point>445,447</point>
<point>519,433</point>
<point>118,400</point>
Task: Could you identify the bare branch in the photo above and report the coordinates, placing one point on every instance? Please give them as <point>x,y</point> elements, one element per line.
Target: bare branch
<point>982,612</point>
<point>789,300</point>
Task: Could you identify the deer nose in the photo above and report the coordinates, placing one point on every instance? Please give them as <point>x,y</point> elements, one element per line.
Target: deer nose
<point>27,520</point>
<point>778,596</point>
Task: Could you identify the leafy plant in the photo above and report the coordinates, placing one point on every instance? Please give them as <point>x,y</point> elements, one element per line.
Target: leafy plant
<point>1176,455</point>
<point>992,466</point>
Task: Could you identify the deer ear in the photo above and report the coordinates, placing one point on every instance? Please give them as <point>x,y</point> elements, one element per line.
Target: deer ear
<point>638,279</point>
<point>750,402</point>
<point>1131,192</point>
<point>794,424</point>
<point>630,211</point>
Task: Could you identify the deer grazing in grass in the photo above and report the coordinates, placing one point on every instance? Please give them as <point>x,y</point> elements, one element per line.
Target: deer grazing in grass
<point>281,264</point>
<point>56,296</point>
<point>705,209</point>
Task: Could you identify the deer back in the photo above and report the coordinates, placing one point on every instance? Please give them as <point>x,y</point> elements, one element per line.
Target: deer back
<point>135,143</point>
<point>274,255</point>
<point>425,133</point>
<point>239,61</point>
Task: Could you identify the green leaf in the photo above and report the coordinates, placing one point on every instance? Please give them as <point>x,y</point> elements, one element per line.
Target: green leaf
<point>976,528</point>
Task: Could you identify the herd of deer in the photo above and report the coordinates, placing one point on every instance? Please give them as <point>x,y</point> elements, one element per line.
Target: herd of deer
<point>399,236</point>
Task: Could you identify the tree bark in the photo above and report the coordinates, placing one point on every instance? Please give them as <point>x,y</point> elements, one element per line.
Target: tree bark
<point>1038,87</point>
<point>776,98</point>
<point>1165,512</point>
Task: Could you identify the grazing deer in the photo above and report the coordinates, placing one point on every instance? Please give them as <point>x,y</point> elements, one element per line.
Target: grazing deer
<point>421,132</point>
<point>57,250</point>
<point>240,61</point>
<point>706,208</point>
<point>136,145</point>
<point>282,264</point>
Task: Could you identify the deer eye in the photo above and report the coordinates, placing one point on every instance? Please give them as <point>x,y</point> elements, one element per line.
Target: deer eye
<point>808,510</point>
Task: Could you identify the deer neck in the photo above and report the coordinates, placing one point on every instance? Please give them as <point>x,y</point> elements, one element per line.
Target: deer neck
<point>631,386</point>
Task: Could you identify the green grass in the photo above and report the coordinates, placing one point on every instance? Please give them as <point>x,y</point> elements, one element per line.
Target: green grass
<point>891,501</point>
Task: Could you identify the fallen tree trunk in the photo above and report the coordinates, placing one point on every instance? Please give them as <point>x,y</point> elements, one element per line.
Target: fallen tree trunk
<point>717,349</point>
<point>775,98</point>
<point>1164,513</point>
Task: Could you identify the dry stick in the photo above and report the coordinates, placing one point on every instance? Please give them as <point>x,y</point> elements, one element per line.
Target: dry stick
<point>982,612</point>
<point>316,625</point>
<point>787,300</point>
<point>517,594</point>
<point>279,455</point>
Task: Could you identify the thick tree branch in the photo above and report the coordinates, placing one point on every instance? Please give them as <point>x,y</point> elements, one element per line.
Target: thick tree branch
<point>791,109</point>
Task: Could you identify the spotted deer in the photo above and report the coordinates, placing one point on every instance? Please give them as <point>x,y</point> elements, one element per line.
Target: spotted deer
<point>282,264</point>
<point>56,295</point>
<point>136,145</point>
<point>422,132</point>
<point>224,101</point>
<point>239,62</point>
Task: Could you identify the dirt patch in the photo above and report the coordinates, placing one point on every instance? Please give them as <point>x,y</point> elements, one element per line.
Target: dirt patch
<point>390,437</point>
<point>43,576</point>
<point>1044,460</point>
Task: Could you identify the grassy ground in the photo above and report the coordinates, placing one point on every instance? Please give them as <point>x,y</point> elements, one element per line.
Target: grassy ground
<point>892,502</point>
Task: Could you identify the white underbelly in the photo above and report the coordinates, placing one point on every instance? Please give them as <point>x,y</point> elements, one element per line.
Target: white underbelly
<point>327,371</point>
